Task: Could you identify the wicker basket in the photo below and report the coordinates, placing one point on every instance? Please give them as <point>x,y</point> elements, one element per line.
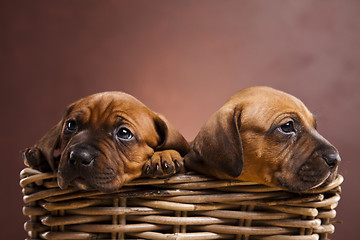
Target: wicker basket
<point>186,206</point>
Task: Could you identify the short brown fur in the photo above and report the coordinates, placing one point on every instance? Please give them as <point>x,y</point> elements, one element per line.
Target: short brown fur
<point>245,140</point>
<point>106,140</point>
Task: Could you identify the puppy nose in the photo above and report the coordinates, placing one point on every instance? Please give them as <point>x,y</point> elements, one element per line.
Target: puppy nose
<point>81,157</point>
<point>332,159</point>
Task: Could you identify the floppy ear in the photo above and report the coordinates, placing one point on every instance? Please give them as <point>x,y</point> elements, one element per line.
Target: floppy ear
<point>217,149</point>
<point>41,155</point>
<point>170,138</point>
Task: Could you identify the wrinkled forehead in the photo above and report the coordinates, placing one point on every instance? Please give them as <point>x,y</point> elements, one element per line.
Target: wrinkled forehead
<point>266,105</point>
<point>109,107</point>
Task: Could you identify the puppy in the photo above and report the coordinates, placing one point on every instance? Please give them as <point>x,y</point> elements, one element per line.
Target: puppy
<point>105,140</point>
<point>266,136</point>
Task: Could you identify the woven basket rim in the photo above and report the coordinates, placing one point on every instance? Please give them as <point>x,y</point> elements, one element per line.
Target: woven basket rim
<point>29,175</point>
<point>184,206</point>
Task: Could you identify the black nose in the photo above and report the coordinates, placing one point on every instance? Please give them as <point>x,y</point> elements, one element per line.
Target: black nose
<point>81,157</point>
<point>332,159</point>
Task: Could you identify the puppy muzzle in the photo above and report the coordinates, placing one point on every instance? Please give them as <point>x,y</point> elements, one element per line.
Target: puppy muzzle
<point>77,165</point>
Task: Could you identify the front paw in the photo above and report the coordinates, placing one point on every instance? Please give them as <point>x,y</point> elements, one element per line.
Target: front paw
<point>33,158</point>
<point>163,164</point>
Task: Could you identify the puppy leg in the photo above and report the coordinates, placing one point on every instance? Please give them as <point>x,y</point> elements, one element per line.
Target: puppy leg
<point>163,164</point>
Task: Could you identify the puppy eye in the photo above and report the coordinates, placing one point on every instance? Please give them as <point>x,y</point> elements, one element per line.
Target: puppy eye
<point>71,126</point>
<point>124,134</point>
<point>288,127</point>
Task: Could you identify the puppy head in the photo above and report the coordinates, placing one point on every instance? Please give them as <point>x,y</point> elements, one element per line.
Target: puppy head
<point>266,136</point>
<point>104,140</point>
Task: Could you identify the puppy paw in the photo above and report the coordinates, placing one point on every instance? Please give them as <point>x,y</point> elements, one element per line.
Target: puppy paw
<point>33,158</point>
<point>163,164</point>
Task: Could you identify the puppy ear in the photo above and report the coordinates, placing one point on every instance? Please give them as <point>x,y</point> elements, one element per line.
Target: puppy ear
<point>170,138</point>
<point>41,155</point>
<point>217,149</point>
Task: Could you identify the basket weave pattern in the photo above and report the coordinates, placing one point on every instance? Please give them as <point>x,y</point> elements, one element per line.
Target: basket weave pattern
<point>185,206</point>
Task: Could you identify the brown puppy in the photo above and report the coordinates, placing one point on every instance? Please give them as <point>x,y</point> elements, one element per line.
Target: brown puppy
<point>107,139</point>
<point>266,136</point>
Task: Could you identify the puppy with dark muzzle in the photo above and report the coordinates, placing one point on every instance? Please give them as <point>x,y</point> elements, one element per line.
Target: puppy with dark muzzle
<point>107,139</point>
<point>266,136</point>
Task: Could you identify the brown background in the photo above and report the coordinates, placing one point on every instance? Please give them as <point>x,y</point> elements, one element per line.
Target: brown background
<point>183,59</point>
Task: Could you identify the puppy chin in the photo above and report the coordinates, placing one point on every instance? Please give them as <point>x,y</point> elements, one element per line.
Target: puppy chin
<point>62,183</point>
<point>300,184</point>
<point>78,183</point>
<point>81,184</point>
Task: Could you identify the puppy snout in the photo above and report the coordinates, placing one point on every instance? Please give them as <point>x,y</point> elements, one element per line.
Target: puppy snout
<point>81,157</point>
<point>332,159</point>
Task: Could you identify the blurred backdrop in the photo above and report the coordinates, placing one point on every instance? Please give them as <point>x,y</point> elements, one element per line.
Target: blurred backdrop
<point>183,59</point>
